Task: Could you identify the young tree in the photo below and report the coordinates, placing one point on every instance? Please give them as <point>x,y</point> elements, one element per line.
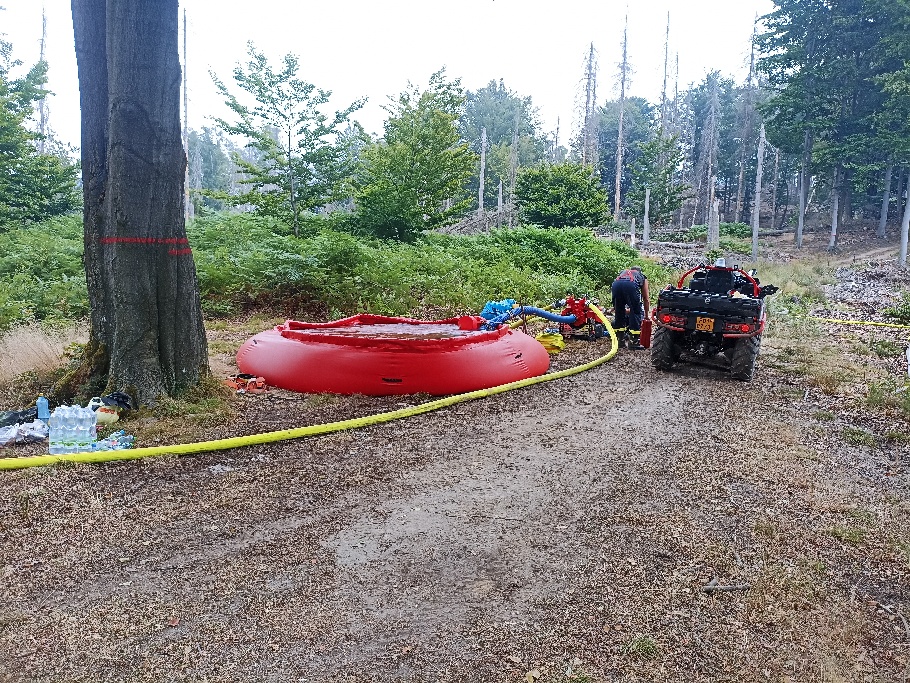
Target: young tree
<point>414,179</point>
<point>146,320</point>
<point>33,185</point>
<point>300,167</point>
<point>561,196</point>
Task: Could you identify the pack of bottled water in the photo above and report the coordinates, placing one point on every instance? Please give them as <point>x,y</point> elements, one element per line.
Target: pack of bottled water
<point>72,429</point>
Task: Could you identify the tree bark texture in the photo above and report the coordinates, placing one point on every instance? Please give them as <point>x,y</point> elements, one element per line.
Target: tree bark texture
<point>756,207</point>
<point>143,291</point>
<point>483,169</point>
<point>713,237</point>
<point>646,221</point>
<point>905,230</point>
<point>886,200</point>
<point>804,176</point>
<point>835,208</point>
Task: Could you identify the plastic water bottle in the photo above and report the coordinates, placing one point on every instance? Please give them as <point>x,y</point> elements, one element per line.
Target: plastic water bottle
<point>84,429</point>
<point>44,413</point>
<point>55,446</point>
<point>68,436</point>
<point>91,428</point>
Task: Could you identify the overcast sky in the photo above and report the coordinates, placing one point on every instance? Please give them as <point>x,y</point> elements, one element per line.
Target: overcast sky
<point>372,48</point>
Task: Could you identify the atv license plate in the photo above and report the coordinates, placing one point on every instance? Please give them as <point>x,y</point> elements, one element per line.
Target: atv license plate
<point>704,324</point>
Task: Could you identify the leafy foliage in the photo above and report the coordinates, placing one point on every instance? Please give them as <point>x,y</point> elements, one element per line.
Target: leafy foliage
<point>247,261</point>
<point>561,195</point>
<point>33,186</point>
<point>657,168</point>
<point>507,118</point>
<point>242,262</point>
<point>413,180</point>
<point>299,166</point>
<point>41,272</point>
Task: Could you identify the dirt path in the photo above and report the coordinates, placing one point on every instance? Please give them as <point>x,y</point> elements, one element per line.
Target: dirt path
<point>562,532</point>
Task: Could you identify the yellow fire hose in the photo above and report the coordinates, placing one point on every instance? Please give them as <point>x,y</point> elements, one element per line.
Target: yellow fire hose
<point>314,430</point>
<point>858,322</point>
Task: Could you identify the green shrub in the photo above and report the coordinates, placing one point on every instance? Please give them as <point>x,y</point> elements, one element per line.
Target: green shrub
<point>246,261</point>
<point>901,310</point>
<point>41,272</point>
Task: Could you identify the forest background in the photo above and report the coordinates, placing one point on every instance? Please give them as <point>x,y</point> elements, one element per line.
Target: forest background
<point>816,131</point>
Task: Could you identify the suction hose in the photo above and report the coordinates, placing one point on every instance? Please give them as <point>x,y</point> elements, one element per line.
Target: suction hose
<point>314,430</point>
<point>528,310</point>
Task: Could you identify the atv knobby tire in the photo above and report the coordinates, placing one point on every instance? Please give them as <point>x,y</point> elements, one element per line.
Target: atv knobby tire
<point>662,354</point>
<point>742,365</point>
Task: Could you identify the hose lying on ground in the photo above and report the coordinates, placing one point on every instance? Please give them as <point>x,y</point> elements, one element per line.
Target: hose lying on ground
<point>314,430</point>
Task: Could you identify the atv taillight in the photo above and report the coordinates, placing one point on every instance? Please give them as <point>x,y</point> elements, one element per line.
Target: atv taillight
<point>665,318</point>
<point>737,328</point>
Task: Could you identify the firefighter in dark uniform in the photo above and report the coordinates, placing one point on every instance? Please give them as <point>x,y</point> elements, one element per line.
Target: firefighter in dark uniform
<point>630,288</point>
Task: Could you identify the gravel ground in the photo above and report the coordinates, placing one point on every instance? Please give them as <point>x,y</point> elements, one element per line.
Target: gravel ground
<point>564,532</point>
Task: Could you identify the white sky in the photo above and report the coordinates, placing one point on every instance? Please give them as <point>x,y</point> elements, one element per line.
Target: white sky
<point>372,48</point>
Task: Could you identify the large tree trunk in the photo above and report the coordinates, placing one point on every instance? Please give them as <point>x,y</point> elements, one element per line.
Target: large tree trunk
<point>886,200</point>
<point>145,311</point>
<point>804,175</point>
<point>835,207</point>
<point>905,229</point>
<point>756,208</point>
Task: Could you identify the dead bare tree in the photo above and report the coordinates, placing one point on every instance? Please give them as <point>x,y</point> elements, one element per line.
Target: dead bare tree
<point>513,168</point>
<point>646,223</point>
<point>756,208</point>
<point>589,132</point>
<point>707,156</point>
<point>623,70</point>
<point>905,229</point>
<point>775,180</point>
<point>483,168</point>
<point>835,206</point>
<point>748,124</point>
<point>713,240</point>
<point>663,91</point>
<point>886,200</point>
<point>42,103</point>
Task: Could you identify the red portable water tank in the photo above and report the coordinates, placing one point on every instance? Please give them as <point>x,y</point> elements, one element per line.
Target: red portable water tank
<point>383,356</point>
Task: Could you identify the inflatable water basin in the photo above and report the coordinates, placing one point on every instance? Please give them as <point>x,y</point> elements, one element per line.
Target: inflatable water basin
<point>381,356</point>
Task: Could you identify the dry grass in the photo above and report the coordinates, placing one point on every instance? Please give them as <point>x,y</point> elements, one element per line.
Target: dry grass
<point>32,348</point>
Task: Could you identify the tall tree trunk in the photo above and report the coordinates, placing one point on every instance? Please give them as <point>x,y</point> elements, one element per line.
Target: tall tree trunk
<point>663,90</point>
<point>646,223</point>
<point>756,207</point>
<point>42,103</point>
<point>886,201</point>
<point>774,183</point>
<point>903,196</point>
<point>617,197</point>
<point>589,143</point>
<point>296,223</point>
<point>499,207</point>
<point>483,168</point>
<point>513,169</point>
<point>905,229</point>
<point>713,239</point>
<point>835,208</point>
<point>804,173</point>
<point>143,293</point>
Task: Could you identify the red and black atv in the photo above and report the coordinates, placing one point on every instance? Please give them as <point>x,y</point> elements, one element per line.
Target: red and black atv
<point>719,316</point>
